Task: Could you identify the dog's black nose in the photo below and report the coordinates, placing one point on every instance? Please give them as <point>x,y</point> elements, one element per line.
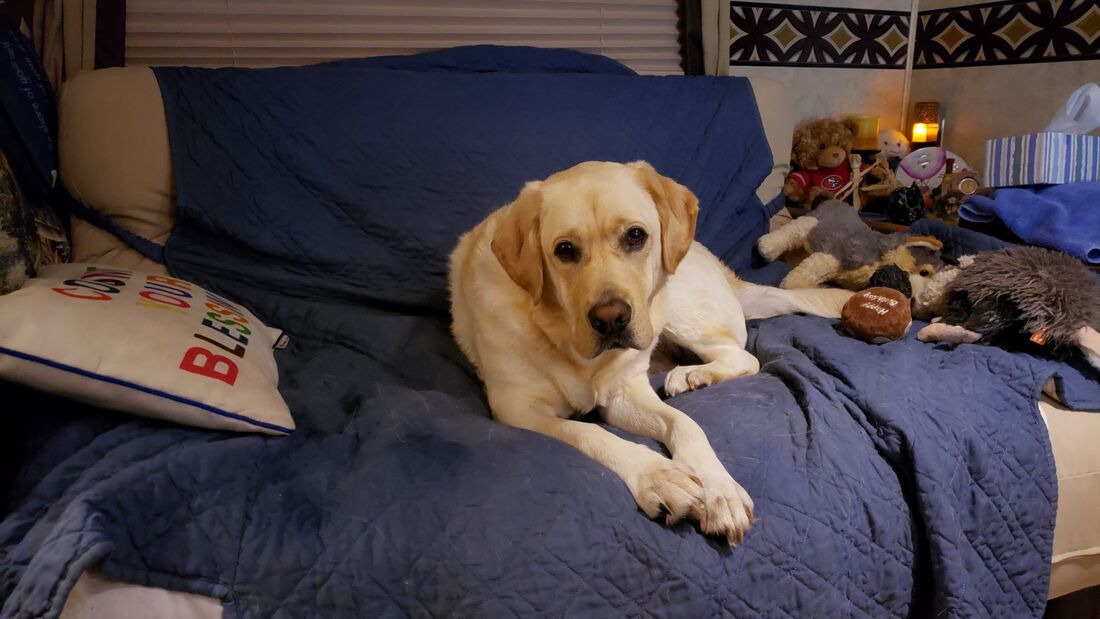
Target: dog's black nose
<point>609,318</point>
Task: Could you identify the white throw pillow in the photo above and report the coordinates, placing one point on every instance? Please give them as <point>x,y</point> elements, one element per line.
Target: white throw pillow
<point>146,344</point>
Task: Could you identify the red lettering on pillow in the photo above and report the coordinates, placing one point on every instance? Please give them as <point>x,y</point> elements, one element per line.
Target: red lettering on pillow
<point>236,350</point>
<point>198,360</point>
<point>90,295</point>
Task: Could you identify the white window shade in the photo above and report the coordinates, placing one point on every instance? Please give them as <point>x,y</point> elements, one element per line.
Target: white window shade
<point>639,33</point>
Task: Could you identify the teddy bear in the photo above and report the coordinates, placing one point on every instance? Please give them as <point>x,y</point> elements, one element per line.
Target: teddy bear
<point>820,156</point>
<point>845,251</point>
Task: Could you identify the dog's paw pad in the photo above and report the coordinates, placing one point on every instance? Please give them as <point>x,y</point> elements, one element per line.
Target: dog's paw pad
<point>676,381</point>
<point>687,378</point>
<point>728,510</point>
<point>698,378</point>
<point>669,488</point>
<point>692,377</point>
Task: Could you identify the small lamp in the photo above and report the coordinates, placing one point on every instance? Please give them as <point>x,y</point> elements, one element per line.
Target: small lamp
<point>926,125</point>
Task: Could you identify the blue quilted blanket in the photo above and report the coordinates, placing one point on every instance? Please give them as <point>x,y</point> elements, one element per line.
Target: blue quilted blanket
<point>1062,217</point>
<point>903,479</point>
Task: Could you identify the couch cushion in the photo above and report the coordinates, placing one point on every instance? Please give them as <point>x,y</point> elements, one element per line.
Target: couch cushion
<point>115,158</point>
<point>1076,557</point>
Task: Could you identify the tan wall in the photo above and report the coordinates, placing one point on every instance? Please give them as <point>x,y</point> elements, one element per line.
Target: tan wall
<point>979,103</point>
<point>983,102</point>
<point>818,92</point>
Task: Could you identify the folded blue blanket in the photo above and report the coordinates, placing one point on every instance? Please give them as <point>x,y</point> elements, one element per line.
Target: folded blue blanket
<point>1065,217</point>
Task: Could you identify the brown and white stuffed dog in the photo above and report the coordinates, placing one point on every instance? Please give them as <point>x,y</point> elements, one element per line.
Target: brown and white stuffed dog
<point>845,251</point>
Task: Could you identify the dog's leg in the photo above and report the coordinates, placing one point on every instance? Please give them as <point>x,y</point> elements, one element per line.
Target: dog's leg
<point>816,269</point>
<point>659,485</point>
<point>724,360</point>
<point>705,316</point>
<point>774,244</point>
<point>637,409</point>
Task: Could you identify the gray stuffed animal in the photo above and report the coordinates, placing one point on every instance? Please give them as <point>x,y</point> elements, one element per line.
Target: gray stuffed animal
<point>845,251</point>
<point>1024,298</point>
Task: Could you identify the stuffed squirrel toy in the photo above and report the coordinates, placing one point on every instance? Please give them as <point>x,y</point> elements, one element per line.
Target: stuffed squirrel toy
<point>820,156</point>
<point>845,251</point>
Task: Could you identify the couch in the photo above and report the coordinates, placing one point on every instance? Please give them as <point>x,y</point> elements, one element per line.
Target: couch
<point>116,157</point>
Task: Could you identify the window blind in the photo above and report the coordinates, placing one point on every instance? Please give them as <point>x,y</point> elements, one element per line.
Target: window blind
<point>639,33</point>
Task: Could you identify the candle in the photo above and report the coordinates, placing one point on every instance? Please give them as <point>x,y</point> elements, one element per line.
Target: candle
<point>866,132</point>
<point>926,118</point>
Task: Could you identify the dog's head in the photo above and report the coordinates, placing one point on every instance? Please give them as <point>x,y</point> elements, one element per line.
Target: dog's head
<point>920,257</point>
<point>593,245</point>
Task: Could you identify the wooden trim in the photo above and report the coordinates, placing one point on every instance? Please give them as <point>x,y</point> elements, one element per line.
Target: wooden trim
<point>110,33</point>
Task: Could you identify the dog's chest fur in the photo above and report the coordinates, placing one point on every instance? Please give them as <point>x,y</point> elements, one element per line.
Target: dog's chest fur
<point>591,383</point>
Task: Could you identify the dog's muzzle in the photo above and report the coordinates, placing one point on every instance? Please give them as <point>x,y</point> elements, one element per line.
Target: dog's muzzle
<point>611,322</point>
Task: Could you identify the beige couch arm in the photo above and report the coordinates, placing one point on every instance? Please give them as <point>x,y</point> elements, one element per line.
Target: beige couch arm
<point>114,157</point>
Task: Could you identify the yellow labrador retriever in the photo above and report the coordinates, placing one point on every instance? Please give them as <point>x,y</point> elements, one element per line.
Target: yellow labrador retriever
<point>559,298</point>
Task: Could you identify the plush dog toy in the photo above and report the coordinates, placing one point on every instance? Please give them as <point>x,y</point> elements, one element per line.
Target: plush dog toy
<point>844,251</point>
<point>820,155</point>
<point>1026,298</point>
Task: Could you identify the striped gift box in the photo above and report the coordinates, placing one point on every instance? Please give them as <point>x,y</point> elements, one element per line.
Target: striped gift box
<point>1042,159</point>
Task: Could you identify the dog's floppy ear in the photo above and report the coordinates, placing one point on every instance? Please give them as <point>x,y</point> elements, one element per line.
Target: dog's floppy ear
<point>516,240</point>
<point>678,209</point>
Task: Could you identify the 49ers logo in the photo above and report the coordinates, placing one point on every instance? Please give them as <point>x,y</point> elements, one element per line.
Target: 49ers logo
<point>832,182</point>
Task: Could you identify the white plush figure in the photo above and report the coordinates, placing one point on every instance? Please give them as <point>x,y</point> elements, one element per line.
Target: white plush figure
<point>893,143</point>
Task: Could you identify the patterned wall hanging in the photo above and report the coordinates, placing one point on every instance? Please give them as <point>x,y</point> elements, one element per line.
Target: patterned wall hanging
<point>787,35</point>
<point>1008,32</point>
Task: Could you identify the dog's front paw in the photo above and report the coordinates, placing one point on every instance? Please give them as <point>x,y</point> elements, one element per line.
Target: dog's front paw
<point>668,487</point>
<point>685,378</point>
<point>692,377</point>
<point>728,509</point>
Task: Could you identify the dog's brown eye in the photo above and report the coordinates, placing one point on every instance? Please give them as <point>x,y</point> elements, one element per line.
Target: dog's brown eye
<point>925,272</point>
<point>635,237</point>
<point>822,146</point>
<point>565,251</point>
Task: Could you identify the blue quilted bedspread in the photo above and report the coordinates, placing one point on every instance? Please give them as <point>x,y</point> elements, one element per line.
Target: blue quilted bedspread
<point>904,479</point>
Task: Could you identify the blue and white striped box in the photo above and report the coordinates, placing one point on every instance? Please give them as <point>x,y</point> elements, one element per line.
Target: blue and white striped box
<point>1042,159</point>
